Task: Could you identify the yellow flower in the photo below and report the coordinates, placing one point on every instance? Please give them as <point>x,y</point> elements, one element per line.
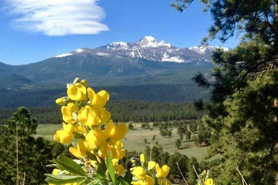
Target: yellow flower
<point>117,151</point>
<point>162,172</point>
<point>138,172</point>
<point>136,182</point>
<point>151,165</point>
<point>121,153</point>
<point>164,182</point>
<point>79,128</point>
<point>89,116</point>
<point>93,116</point>
<point>61,101</point>
<point>56,171</point>
<point>80,150</point>
<point>69,113</point>
<point>98,100</point>
<point>115,133</point>
<point>142,158</point>
<point>77,92</point>
<point>107,139</point>
<point>147,180</point>
<point>209,181</point>
<point>64,135</point>
<point>118,167</point>
<point>95,138</point>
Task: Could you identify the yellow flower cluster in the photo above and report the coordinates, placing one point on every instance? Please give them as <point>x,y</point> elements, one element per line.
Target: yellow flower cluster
<point>97,143</point>
<point>88,125</point>
<point>150,173</point>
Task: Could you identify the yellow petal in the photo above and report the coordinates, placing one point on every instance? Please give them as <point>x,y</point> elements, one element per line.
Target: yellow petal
<point>151,165</point>
<point>119,145</point>
<point>68,128</point>
<point>91,94</point>
<point>105,116</point>
<point>118,132</point>
<point>149,180</point>
<point>162,172</point>
<point>113,152</point>
<point>62,136</point>
<point>109,127</point>
<point>209,181</point>
<point>80,150</point>
<point>142,158</point>
<point>95,138</point>
<point>100,99</point>
<point>164,182</point>
<point>89,116</point>
<point>61,101</point>
<point>76,92</point>
<point>68,112</point>
<point>119,169</point>
<point>56,171</point>
<point>138,172</point>
<point>121,153</point>
<point>136,182</point>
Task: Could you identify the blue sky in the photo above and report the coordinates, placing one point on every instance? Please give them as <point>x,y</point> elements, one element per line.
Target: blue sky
<point>31,32</point>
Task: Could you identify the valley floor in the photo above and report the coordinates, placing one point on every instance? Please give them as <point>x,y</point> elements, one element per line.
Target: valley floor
<point>134,140</point>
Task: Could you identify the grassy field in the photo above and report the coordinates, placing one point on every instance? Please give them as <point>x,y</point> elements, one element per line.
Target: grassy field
<point>134,140</point>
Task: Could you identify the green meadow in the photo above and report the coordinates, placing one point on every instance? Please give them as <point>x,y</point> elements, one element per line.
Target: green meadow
<point>135,140</point>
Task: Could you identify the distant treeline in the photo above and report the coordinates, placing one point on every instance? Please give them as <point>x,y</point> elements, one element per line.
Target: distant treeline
<point>44,97</point>
<point>122,111</point>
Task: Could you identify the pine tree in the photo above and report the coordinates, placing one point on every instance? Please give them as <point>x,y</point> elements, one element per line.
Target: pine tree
<point>243,108</point>
<point>23,157</point>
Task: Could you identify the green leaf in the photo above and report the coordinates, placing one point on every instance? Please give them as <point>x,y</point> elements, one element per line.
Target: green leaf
<point>78,135</point>
<point>65,163</point>
<point>51,165</point>
<point>63,179</point>
<point>82,182</point>
<point>123,182</point>
<point>110,168</point>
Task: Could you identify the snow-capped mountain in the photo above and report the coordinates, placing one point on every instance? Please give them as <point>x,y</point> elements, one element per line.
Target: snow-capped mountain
<point>147,60</point>
<point>149,48</point>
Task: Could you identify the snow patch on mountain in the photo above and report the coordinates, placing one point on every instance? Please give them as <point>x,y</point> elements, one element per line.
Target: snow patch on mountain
<point>102,54</point>
<point>176,59</point>
<point>63,55</point>
<point>118,46</point>
<point>79,50</point>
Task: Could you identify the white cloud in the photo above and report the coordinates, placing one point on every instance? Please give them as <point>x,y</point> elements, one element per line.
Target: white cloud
<point>58,17</point>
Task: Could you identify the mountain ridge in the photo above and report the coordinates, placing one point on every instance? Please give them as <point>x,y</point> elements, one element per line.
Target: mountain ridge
<point>151,49</point>
<point>147,63</point>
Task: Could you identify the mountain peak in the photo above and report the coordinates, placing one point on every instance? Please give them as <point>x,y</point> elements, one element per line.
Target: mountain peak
<point>149,38</point>
<point>150,41</point>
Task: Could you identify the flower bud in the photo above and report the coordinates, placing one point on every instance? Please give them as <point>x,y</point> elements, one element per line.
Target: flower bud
<point>62,101</point>
<point>84,82</point>
<point>163,171</point>
<point>142,158</point>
